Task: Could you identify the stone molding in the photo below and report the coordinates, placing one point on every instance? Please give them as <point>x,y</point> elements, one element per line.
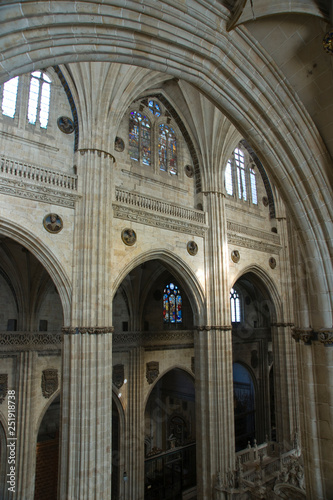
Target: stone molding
<point>234,227</point>
<point>149,338</point>
<point>37,183</point>
<point>91,330</point>
<point>24,341</point>
<point>282,325</point>
<point>207,328</point>
<point>240,241</point>
<point>157,220</point>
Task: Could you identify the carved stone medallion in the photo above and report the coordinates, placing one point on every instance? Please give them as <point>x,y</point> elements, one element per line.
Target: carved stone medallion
<point>3,386</point>
<point>49,382</point>
<point>189,171</point>
<point>235,256</point>
<point>128,236</point>
<point>53,223</point>
<point>65,124</point>
<point>118,375</point>
<point>152,371</point>
<point>119,145</point>
<point>272,263</point>
<point>192,248</point>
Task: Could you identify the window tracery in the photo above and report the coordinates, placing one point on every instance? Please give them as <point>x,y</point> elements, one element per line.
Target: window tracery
<point>39,98</point>
<point>235,306</point>
<point>153,141</point>
<point>9,97</point>
<point>240,177</point>
<point>172,304</point>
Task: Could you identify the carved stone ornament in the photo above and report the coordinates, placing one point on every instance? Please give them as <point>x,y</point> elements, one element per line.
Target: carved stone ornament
<point>192,248</point>
<point>303,334</point>
<point>118,375</point>
<point>3,386</point>
<point>53,223</point>
<point>65,124</point>
<point>325,337</point>
<point>235,256</point>
<point>128,236</point>
<point>265,201</point>
<point>119,145</point>
<point>49,382</point>
<point>152,371</point>
<point>189,171</point>
<point>91,330</point>
<point>272,263</point>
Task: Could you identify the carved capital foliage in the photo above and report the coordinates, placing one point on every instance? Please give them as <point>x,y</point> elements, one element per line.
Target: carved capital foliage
<point>91,330</point>
<point>325,336</point>
<point>303,334</point>
<point>152,371</point>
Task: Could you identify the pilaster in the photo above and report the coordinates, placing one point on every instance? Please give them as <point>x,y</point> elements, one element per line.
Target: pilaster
<point>213,358</point>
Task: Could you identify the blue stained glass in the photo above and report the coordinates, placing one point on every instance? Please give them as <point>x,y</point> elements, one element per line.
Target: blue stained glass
<point>172,304</point>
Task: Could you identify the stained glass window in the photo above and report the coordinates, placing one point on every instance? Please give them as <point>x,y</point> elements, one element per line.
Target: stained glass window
<point>39,98</point>
<point>235,306</point>
<point>139,138</point>
<point>172,304</point>
<point>167,149</point>
<point>154,107</point>
<point>9,97</point>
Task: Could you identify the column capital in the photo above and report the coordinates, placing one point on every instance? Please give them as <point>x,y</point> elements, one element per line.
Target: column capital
<point>325,336</point>
<point>308,335</point>
<point>304,334</point>
<point>91,330</point>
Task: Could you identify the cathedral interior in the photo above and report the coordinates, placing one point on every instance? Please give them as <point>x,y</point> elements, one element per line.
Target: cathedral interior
<point>166,250</point>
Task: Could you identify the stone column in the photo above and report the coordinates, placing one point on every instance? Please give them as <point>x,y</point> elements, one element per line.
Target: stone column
<point>25,444</point>
<point>135,427</point>
<point>86,431</point>
<point>213,360</point>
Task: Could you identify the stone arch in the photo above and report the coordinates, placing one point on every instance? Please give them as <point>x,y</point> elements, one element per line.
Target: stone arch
<point>181,271</point>
<point>46,257</point>
<point>300,164</point>
<point>161,375</point>
<point>261,275</point>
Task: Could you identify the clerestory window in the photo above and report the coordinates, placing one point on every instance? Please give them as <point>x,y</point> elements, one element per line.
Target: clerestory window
<point>9,97</point>
<point>39,98</point>
<point>152,141</point>
<point>240,177</point>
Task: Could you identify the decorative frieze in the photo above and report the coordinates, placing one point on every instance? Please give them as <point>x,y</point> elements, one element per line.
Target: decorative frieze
<point>29,341</point>
<point>156,220</point>
<point>234,227</point>
<point>154,338</point>
<point>37,183</point>
<point>207,328</point>
<point>91,330</point>
<point>240,241</point>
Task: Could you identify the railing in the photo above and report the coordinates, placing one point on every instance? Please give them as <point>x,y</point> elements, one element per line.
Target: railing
<point>13,168</point>
<point>148,203</point>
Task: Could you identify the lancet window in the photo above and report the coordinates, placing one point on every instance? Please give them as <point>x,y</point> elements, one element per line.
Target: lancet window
<point>235,306</point>
<point>39,98</point>
<point>172,304</point>
<point>240,177</point>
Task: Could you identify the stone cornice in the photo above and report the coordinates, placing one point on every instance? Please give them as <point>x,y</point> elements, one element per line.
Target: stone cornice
<point>207,328</point>
<point>282,325</point>
<point>156,220</point>
<point>91,330</point>
<point>22,341</point>
<point>234,227</point>
<point>241,241</point>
